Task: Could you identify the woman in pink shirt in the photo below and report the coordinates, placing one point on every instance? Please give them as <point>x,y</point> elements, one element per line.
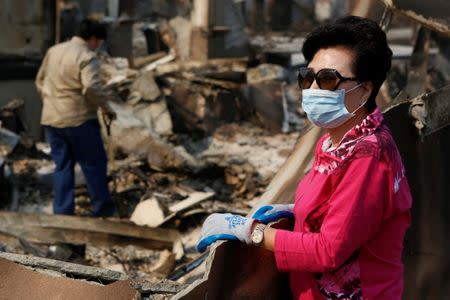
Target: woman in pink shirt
<point>352,209</point>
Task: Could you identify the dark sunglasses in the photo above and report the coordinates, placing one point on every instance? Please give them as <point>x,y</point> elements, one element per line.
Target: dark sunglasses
<point>327,79</point>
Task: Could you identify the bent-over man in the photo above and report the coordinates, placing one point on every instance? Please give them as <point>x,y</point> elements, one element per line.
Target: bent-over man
<point>68,82</point>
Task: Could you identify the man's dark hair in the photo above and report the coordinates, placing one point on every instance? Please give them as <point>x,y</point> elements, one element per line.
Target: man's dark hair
<point>368,42</point>
<point>89,28</point>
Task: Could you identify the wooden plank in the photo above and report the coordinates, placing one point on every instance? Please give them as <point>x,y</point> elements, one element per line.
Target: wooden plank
<point>219,83</point>
<point>163,60</point>
<point>193,199</point>
<point>219,64</point>
<point>434,15</point>
<point>139,62</point>
<point>59,228</point>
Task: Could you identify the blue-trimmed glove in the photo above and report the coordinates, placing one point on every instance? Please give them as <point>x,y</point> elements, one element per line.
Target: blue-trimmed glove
<point>224,227</point>
<point>270,213</point>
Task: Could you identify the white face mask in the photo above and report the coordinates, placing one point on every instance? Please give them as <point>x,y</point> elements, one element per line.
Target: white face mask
<point>326,108</point>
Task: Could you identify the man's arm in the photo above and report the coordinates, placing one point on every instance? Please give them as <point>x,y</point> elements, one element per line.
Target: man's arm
<point>94,91</point>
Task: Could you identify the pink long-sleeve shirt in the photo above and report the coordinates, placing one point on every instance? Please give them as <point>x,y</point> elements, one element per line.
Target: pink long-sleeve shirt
<point>351,214</point>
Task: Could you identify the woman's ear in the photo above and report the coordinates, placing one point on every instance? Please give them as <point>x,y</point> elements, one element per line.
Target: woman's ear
<point>367,90</point>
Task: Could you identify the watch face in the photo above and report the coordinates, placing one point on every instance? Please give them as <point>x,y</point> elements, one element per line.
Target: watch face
<point>257,236</point>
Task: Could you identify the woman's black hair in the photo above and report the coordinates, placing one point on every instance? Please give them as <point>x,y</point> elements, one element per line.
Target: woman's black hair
<point>89,28</point>
<point>368,42</point>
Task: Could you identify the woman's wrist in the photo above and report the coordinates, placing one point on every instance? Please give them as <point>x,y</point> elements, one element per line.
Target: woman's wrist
<point>269,238</point>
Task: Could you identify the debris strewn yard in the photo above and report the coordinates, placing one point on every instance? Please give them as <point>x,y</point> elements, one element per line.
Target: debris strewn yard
<point>209,113</point>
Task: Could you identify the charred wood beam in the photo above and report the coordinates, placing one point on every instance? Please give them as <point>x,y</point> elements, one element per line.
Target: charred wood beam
<point>213,82</point>
<point>438,25</point>
<point>223,64</point>
<point>51,229</point>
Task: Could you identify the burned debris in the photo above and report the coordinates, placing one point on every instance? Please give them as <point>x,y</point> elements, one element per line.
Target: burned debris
<point>189,139</point>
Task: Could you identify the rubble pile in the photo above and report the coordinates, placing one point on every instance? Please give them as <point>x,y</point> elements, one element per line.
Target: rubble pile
<point>221,172</point>
<point>190,138</point>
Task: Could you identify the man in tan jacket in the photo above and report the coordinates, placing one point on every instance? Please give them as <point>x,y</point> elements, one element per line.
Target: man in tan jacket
<point>68,82</point>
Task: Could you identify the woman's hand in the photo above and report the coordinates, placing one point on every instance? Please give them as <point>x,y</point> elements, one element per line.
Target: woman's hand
<point>270,213</point>
<point>225,227</point>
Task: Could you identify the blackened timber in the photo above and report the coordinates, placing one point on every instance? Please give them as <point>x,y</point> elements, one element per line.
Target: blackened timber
<point>51,229</point>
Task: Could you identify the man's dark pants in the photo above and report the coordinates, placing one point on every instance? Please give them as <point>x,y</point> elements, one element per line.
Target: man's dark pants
<point>83,145</point>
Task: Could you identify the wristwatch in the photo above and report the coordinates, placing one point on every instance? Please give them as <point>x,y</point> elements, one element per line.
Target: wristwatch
<point>258,234</point>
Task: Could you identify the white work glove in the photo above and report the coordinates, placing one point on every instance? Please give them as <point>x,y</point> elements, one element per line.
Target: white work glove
<point>224,227</point>
<point>270,213</point>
